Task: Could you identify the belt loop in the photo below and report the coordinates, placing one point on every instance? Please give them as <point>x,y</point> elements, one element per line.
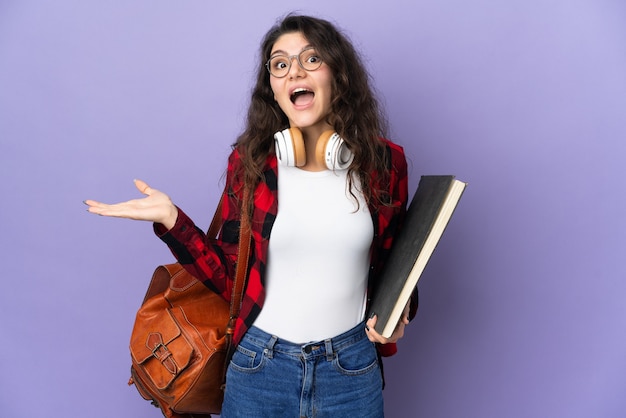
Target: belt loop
<point>329,350</point>
<point>269,347</point>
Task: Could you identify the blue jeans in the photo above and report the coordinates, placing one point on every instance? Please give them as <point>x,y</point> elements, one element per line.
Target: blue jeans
<point>273,378</point>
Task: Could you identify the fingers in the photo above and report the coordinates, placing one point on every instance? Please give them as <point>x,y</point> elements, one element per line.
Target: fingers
<point>371,323</point>
<point>100,208</point>
<point>91,203</point>
<point>375,337</point>
<point>143,187</point>
<point>154,206</point>
<point>103,209</point>
<point>371,333</point>
<point>405,313</point>
<point>122,209</point>
<point>95,207</point>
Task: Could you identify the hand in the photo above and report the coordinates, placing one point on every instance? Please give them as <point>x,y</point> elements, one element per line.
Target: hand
<point>398,333</point>
<point>155,207</point>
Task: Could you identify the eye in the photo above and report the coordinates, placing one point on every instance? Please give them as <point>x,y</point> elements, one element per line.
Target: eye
<point>313,59</point>
<point>310,59</point>
<point>279,63</point>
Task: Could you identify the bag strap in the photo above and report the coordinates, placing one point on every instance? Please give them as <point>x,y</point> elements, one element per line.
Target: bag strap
<point>240,274</point>
<point>242,257</point>
<point>242,265</point>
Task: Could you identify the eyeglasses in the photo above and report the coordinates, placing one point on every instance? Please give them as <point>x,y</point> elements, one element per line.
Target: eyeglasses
<point>279,65</point>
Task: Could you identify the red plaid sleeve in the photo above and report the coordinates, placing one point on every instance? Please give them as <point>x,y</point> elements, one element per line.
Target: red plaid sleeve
<point>388,221</point>
<point>213,261</point>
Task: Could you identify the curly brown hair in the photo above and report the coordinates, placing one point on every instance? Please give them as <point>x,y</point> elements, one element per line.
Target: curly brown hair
<point>355,113</point>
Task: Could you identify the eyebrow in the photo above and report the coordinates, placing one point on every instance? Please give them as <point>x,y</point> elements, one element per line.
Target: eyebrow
<point>281,52</point>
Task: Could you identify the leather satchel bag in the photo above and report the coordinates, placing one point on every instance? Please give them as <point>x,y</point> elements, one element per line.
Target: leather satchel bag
<point>181,341</point>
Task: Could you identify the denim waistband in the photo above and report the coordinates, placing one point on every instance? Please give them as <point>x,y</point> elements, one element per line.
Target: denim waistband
<point>325,347</point>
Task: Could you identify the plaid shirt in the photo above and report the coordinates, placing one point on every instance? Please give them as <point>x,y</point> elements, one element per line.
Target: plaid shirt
<point>213,261</point>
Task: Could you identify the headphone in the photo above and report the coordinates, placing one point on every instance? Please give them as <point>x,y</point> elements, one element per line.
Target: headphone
<point>331,149</point>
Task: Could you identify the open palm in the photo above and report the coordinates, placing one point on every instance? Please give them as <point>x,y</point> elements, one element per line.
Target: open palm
<point>156,206</point>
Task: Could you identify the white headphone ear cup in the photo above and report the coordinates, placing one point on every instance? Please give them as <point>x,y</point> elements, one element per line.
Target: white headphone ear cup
<point>289,146</point>
<point>281,148</point>
<point>332,151</point>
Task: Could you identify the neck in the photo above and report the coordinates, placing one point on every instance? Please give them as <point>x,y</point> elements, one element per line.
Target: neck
<point>311,137</point>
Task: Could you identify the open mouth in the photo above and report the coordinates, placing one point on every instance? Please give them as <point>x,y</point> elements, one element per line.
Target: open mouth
<point>301,97</point>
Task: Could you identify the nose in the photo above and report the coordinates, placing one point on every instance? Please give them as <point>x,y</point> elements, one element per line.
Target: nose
<point>295,69</point>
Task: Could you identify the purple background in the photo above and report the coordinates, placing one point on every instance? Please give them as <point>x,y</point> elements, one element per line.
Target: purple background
<point>522,308</point>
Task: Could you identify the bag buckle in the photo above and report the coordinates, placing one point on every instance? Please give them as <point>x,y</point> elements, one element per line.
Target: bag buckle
<point>162,353</point>
<point>161,347</point>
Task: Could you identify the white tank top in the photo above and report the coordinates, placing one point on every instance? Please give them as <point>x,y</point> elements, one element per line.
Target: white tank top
<point>318,259</point>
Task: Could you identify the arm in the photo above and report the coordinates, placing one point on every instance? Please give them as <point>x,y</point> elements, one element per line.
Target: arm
<point>211,261</point>
<point>392,219</point>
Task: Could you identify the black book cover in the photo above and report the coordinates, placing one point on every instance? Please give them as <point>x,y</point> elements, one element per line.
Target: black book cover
<point>427,216</point>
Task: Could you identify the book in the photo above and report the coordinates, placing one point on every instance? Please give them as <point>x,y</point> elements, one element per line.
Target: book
<point>427,217</point>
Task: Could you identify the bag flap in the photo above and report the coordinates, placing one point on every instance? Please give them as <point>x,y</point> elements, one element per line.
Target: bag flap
<point>159,347</point>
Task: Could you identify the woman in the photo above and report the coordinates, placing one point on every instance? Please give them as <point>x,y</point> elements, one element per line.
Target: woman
<point>303,343</point>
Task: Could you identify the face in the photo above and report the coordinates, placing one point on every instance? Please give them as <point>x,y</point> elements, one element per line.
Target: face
<point>304,96</point>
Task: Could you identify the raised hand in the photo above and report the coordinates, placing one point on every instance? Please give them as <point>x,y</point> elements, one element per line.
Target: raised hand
<point>155,207</point>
